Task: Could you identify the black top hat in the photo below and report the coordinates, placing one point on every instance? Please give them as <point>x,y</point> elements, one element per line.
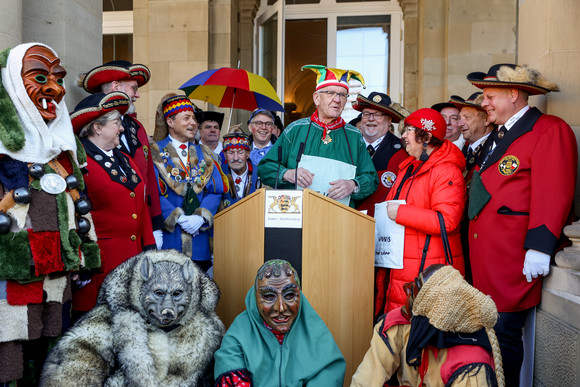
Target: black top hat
<point>210,116</point>
<point>507,75</point>
<point>381,102</point>
<point>469,102</point>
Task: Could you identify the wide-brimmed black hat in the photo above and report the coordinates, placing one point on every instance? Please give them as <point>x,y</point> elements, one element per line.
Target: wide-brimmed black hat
<point>381,102</point>
<point>210,116</point>
<point>474,101</point>
<point>442,105</point>
<point>96,105</point>
<point>507,75</point>
<point>355,120</point>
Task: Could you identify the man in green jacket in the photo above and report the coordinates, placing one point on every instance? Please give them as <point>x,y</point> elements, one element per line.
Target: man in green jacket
<point>328,142</point>
<point>279,340</point>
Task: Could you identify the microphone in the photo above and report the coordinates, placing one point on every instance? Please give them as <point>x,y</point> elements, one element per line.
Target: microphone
<point>279,163</point>
<point>300,151</point>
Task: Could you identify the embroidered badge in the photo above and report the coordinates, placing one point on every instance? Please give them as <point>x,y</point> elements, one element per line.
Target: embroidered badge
<point>508,165</point>
<point>388,179</point>
<point>377,98</point>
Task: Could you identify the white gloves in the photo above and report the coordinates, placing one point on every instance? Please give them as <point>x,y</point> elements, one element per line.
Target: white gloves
<point>158,235</point>
<point>191,223</point>
<point>536,264</point>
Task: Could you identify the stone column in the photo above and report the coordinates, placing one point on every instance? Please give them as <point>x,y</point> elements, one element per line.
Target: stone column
<point>10,24</point>
<point>73,29</point>
<point>172,39</point>
<point>548,40</point>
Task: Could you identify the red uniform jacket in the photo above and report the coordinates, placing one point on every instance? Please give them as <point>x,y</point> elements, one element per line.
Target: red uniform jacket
<point>120,215</point>
<point>140,152</point>
<point>531,176</point>
<point>438,185</point>
<point>386,160</point>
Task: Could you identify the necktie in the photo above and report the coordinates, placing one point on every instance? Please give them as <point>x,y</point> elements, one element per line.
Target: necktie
<point>371,150</point>
<point>183,148</point>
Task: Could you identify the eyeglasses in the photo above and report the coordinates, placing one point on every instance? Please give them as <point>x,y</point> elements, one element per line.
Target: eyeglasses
<point>367,115</point>
<point>259,124</point>
<point>408,129</point>
<point>333,94</point>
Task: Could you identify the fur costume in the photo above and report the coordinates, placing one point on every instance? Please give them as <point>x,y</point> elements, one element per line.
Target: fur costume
<point>154,325</point>
<point>43,243</point>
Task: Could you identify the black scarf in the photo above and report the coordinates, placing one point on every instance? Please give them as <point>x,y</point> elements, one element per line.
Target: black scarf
<point>424,334</point>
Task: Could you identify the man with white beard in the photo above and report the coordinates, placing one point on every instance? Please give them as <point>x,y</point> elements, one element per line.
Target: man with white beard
<point>121,75</point>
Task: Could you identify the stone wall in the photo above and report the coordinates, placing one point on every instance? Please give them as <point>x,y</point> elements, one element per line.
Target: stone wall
<point>72,28</point>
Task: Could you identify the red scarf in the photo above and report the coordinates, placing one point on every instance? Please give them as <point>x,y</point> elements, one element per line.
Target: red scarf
<point>336,124</point>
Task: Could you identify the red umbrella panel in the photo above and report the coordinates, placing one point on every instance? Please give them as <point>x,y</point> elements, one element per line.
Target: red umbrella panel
<point>233,88</point>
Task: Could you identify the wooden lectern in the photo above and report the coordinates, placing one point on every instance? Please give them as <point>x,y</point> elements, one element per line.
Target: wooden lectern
<point>337,264</point>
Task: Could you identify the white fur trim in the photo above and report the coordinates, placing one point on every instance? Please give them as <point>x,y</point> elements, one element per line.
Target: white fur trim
<point>14,322</point>
<point>54,288</point>
<point>18,213</point>
<point>70,209</point>
<point>43,141</point>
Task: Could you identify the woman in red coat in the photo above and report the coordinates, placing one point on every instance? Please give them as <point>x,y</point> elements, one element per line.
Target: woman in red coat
<point>430,180</point>
<point>115,188</point>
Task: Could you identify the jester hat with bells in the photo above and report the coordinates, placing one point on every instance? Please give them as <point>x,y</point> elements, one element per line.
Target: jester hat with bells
<point>326,76</point>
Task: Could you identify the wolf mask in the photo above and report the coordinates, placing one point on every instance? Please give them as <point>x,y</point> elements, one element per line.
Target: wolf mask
<point>154,324</point>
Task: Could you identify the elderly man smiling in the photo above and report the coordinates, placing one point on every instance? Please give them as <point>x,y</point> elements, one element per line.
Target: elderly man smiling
<point>325,138</point>
<point>279,340</point>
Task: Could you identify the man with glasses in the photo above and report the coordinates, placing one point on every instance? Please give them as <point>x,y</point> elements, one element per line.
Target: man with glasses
<point>261,123</point>
<point>385,149</point>
<point>328,141</point>
<point>242,174</point>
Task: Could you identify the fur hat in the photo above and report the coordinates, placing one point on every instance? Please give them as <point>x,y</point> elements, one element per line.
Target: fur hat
<point>381,102</point>
<point>473,101</point>
<point>326,76</point>
<point>118,70</point>
<point>96,105</point>
<point>506,75</point>
<point>211,116</point>
<point>452,305</point>
<point>429,120</point>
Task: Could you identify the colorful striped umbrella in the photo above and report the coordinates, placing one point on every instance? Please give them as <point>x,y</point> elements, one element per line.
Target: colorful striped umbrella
<point>233,88</point>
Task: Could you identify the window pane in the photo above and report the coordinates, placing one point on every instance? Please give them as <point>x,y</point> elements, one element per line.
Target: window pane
<point>268,49</point>
<point>362,44</point>
<point>305,44</point>
<point>117,47</point>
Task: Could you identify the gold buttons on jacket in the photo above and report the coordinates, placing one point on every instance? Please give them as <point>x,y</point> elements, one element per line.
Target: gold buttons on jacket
<point>474,235</point>
<point>134,216</point>
<point>133,237</point>
<point>132,194</point>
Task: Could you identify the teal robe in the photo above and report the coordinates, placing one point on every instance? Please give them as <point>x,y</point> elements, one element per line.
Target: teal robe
<point>308,355</point>
<point>338,149</point>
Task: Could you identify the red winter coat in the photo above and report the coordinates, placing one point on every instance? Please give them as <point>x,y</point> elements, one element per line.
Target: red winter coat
<point>437,186</point>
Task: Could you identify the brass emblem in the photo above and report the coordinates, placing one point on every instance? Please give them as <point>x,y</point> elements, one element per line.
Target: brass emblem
<point>326,139</point>
<point>508,165</point>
